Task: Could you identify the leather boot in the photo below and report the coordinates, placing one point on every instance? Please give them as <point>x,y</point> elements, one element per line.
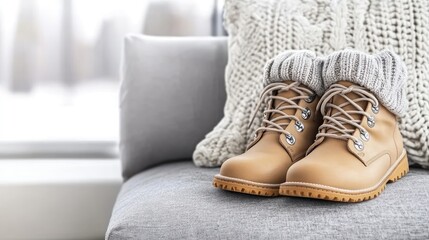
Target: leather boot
<point>288,128</point>
<point>359,147</point>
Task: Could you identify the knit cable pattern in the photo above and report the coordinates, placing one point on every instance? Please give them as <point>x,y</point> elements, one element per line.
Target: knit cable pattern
<point>297,65</point>
<point>384,74</point>
<point>261,29</point>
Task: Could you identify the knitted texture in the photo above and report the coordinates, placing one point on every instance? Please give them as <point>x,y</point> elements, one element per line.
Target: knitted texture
<point>384,74</point>
<point>261,29</point>
<point>301,66</point>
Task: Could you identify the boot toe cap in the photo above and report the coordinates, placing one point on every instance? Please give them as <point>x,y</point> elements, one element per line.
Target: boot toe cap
<point>254,170</point>
<point>341,176</point>
<point>306,172</point>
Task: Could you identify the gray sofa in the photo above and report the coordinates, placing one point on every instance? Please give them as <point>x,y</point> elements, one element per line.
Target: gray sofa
<point>172,94</point>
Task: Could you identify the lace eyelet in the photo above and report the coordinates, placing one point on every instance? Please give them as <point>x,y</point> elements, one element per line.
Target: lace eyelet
<point>371,121</point>
<point>310,98</point>
<point>290,139</point>
<point>364,135</point>
<point>299,126</point>
<point>306,114</point>
<point>375,109</point>
<point>358,145</point>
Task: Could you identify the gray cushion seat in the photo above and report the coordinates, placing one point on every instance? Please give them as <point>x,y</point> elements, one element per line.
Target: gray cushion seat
<point>177,201</point>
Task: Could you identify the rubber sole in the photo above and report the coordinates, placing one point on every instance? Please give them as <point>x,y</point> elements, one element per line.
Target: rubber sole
<point>326,193</point>
<point>244,186</point>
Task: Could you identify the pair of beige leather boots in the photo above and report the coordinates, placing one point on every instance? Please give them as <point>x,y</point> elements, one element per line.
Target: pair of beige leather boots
<point>329,129</point>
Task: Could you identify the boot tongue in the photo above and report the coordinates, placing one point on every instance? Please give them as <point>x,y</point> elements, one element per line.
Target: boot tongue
<point>272,136</point>
<point>280,103</point>
<point>339,99</point>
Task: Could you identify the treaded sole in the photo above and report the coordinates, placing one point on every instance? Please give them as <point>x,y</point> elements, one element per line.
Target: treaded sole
<point>246,188</point>
<point>319,193</point>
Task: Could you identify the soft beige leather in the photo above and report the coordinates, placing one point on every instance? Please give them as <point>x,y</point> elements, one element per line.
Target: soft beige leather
<point>337,163</point>
<point>269,156</point>
<point>266,162</point>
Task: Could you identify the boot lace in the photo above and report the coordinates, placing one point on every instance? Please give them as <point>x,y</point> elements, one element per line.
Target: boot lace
<point>334,124</point>
<point>271,93</point>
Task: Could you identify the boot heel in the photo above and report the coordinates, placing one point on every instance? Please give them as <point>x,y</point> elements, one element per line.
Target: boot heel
<point>401,170</point>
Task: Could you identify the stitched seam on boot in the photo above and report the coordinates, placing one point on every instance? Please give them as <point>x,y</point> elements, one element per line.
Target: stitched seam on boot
<point>349,191</point>
<point>246,182</point>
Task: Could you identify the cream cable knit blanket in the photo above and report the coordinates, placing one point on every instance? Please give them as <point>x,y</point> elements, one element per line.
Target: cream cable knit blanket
<point>261,29</point>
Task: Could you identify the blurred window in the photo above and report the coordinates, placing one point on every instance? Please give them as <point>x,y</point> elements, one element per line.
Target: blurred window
<point>59,68</point>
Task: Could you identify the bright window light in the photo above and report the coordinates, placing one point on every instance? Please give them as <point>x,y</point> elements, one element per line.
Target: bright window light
<point>59,75</point>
